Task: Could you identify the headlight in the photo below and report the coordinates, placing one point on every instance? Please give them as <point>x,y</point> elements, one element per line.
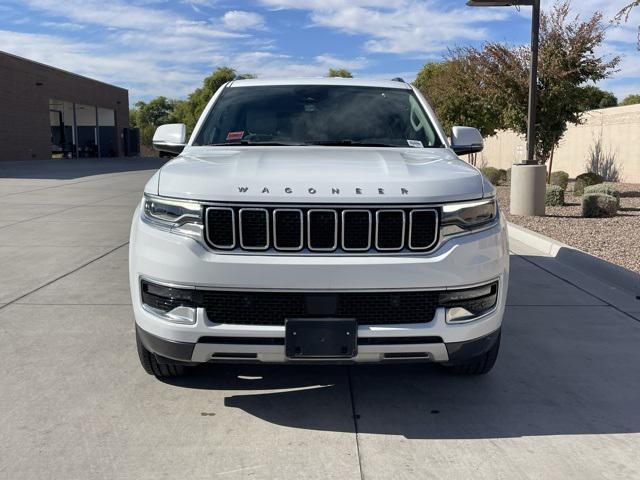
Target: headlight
<point>177,216</point>
<point>465,217</point>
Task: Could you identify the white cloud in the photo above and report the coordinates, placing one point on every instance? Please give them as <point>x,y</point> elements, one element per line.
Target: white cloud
<point>62,25</point>
<point>269,64</point>
<point>131,70</point>
<point>116,14</point>
<point>153,48</point>
<point>240,20</point>
<point>400,27</point>
<point>351,64</point>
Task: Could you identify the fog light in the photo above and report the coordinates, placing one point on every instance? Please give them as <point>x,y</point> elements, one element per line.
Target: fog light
<point>466,305</point>
<point>177,305</point>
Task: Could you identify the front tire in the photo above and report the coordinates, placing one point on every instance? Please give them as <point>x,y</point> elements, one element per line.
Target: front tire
<point>151,365</point>
<point>480,365</point>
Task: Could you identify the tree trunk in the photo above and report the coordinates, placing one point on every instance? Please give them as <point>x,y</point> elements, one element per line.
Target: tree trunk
<point>553,149</point>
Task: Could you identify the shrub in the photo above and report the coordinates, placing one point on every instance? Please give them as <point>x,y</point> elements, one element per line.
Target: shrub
<point>503,176</point>
<point>606,188</point>
<point>554,196</point>
<point>560,179</point>
<point>492,174</point>
<point>508,175</point>
<point>599,205</point>
<point>586,180</point>
<point>603,162</point>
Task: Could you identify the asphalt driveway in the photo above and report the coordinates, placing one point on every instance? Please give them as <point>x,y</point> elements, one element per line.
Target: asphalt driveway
<point>562,402</point>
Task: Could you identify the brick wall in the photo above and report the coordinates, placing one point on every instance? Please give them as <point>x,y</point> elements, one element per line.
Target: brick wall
<point>25,90</point>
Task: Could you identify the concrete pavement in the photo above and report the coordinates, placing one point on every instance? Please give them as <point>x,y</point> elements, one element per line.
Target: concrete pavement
<point>562,402</point>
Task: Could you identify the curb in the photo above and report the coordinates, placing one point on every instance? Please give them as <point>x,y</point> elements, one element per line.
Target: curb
<point>577,259</point>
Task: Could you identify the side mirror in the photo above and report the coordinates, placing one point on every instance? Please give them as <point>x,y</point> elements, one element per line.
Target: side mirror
<point>170,138</point>
<point>465,140</point>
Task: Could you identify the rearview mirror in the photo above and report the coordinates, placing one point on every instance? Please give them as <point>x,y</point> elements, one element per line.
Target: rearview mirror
<point>170,138</point>
<point>466,140</point>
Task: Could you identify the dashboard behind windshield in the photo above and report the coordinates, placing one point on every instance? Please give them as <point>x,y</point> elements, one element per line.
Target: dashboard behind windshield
<point>318,115</point>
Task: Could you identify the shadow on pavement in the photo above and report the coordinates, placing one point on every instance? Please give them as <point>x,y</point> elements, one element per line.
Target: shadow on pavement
<point>526,395</point>
<point>64,169</point>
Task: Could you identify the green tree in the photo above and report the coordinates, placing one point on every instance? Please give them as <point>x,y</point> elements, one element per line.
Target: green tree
<point>568,60</point>
<point>456,94</point>
<point>157,112</point>
<point>339,72</point>
<point>631,100</point>
<point>149,116</point>
<point>189,111</point>
<point>133,117</point>
<point>594,98</point>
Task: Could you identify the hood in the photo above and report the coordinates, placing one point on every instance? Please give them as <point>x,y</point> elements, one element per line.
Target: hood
<point>320,175</point>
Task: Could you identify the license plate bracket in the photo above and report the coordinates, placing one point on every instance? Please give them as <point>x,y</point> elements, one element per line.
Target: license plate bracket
<point>321,338</point>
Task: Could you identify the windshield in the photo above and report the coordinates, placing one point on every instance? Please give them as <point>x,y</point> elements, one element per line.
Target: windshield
<point>318,115</point>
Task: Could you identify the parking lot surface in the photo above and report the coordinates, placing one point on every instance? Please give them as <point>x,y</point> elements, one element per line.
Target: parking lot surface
<point>562,402</point>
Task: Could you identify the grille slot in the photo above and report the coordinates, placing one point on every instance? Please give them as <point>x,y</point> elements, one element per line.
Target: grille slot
<point>254,228</point>
<point>390,229</point>
<point>306,229</point>
<point>356,230</point>
<point>323,230</point>
<point>288,231</point>
<point>222,231</point>
<point>422,226</point>
<point>272,308</point>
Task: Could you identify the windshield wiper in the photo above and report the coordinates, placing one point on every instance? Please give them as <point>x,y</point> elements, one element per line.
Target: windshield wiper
<point>349,143</point>
<point>252,142</point>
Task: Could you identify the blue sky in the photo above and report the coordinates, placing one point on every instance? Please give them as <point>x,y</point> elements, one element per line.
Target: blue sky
<point>166,47</point>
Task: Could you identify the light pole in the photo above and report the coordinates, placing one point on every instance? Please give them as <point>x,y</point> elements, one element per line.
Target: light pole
<point>527,184</point>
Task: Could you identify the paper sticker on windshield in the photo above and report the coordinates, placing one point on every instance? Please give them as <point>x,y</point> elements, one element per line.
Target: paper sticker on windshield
<point>235,135</point>
<point>415,143</point>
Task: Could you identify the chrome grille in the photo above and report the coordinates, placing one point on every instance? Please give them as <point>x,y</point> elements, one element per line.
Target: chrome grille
<point>321,230</point>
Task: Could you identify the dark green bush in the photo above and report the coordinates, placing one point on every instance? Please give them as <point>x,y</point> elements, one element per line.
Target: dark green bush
<point>606,188</point>
<point>586,180</point>
<point>596,205</point>
<point>508,175</point>
<point>560,178</point>
<point>504,180</point>
<point>554,196</point>
<point>492,174</point>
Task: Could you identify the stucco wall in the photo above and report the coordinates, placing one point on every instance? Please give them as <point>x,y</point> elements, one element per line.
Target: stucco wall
<point>620,131</point>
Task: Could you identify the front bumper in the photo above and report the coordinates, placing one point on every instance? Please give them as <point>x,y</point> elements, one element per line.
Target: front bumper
<point>169,351</point>
<point>171,259</point>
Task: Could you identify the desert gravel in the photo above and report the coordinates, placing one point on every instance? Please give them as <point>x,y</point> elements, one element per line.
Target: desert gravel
<point>616,239</point>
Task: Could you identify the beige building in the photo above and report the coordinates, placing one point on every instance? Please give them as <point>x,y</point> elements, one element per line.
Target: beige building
<point>618,127</point>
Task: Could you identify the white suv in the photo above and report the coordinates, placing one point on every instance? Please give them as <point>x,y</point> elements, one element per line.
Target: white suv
<point>318,220</point>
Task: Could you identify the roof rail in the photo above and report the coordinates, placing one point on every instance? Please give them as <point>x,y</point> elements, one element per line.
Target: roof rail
<point>398,79</point>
